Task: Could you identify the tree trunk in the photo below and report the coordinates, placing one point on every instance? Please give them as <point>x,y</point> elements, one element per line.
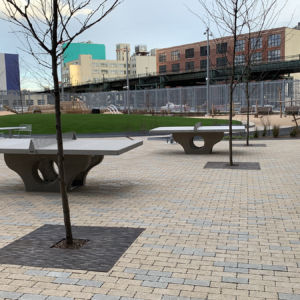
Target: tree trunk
<point>232,82</point>
<point>61,168</point>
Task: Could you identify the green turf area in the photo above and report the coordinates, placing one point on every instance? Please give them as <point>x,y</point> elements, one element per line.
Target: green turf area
<point>98,123</point>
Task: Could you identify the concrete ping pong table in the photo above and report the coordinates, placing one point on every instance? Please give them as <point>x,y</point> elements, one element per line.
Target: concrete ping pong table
<point>185,135</point>
<point>32,157</point>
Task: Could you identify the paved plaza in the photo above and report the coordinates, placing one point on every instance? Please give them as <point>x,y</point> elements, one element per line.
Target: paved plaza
<point>209,233</point>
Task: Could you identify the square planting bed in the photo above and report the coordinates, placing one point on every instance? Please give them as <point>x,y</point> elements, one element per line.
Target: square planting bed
<point>105,246</point>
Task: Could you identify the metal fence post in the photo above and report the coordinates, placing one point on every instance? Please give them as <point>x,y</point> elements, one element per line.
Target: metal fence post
<point>262,93</point>
<point>226,97</point>
<point>194,98</point>
<point>125,99</point>
<point>283,92</point>
<point>156,99</point>
<point>135,100</point>
<point>244,94</point>
<point>168,97</point>
<point>180,96</point>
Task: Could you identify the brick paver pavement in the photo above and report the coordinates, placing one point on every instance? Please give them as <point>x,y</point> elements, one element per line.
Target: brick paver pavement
<point>210,233</point>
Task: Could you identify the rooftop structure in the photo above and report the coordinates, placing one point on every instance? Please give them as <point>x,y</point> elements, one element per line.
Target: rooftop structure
<point>97,51</point>
<point>143,62</point>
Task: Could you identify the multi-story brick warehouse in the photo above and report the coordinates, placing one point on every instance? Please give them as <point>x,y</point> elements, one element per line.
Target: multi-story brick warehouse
<point>270,45</point>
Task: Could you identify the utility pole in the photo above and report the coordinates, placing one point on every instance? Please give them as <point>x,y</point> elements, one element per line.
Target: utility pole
<point>128,102</point>
<point>207,76</point>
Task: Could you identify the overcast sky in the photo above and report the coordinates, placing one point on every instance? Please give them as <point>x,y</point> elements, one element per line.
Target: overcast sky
<point>156,23</point>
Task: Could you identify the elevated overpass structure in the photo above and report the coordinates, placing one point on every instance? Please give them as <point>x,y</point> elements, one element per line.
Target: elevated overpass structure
<point>283,67</point>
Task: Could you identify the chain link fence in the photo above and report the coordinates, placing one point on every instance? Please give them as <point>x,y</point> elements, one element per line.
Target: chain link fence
<point>192,99</point>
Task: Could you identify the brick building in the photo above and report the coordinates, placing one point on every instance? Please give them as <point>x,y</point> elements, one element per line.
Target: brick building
<point>270,45</point>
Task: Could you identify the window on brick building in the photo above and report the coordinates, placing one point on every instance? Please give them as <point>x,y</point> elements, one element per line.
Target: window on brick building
<point>221,62</point>
<point>274,40</point>
<point>203,51</point>
<point>256,57</point>
<point>162,57</point>
<point>203,64</point>
<point>189,53</point>
<point>240,45</point>
<point>175,67</point>
<point>221,48</point>
<point>175,55</point>
<point>256,43</point>
<point>162,69</point>
<point>189,66</point>
<point>274,55</point>
<point>239,59</point>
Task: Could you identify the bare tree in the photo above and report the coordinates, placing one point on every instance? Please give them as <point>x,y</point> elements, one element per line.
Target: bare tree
<point>259,17</point>
<point>226,14</point>
<point>45,25</point>
<point>235,17</point>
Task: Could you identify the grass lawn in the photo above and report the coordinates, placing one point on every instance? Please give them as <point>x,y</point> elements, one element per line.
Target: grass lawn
<point>98,123</point>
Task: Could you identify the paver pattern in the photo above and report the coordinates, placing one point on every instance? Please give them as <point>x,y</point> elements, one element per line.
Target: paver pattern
<point>209,233</point>
<point>104,247</point>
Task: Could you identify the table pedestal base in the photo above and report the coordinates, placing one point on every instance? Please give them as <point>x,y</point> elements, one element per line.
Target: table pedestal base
<point>186,140</point>
<point>39,175</point>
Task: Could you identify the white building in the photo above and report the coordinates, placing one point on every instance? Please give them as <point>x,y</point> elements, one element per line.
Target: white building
<point>143,62</point>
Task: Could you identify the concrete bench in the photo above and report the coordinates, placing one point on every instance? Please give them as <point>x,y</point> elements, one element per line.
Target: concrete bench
<point>292,110</point>
<point>265,110</point>
<point>244,110</point>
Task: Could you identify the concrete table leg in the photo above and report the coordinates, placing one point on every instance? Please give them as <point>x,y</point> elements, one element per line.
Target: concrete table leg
<point>39,175</point>
<point>186,140</point>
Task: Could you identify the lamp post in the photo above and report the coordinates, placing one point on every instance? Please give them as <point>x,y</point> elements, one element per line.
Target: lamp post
<point>146,70</point>
<point>103,82</point>
<point>62,79</point>
<point>128,102</point>
<point>207,69</point>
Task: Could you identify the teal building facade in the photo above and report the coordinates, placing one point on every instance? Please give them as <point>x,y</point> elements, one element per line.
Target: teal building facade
<point>75,49</point>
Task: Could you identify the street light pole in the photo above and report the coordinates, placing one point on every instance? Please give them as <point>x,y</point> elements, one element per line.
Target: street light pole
<point>128,102</point>
<point>62,80</point>
<point>207,76</point>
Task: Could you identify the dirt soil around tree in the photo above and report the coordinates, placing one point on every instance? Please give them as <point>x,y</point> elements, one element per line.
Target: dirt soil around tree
<point>274,119</point>
<point>6,113</point>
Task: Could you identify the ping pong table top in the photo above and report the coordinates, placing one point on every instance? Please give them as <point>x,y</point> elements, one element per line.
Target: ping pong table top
<point>190,129</point>
<point>71,147</point>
